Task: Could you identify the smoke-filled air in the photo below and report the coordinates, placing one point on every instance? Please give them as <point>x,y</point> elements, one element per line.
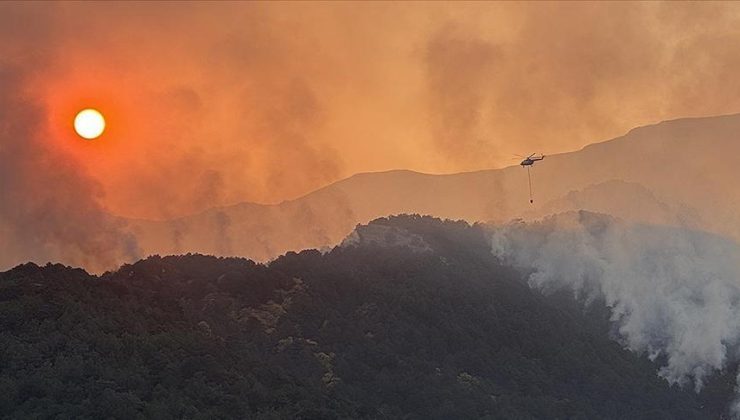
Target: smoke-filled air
<point>672,292</point>
<point>370,209</point>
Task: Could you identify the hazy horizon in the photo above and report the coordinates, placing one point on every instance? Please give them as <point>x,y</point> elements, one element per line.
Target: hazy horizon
<point>273,100</point>
<point>434,209</point>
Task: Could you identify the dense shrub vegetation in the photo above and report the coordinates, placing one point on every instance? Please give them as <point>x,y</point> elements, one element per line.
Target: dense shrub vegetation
<point>368,330</point>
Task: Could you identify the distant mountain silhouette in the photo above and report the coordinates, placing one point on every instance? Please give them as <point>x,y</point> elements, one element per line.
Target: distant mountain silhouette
<point>682,172</point>
<point>627,200</point>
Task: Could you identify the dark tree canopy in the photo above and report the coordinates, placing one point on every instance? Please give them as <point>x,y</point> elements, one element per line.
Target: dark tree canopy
<point>413,318</point>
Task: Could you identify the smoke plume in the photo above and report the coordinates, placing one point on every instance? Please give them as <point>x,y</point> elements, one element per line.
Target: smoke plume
<point>672,292</point>
<point>49,208</point>
<point>214,104</point>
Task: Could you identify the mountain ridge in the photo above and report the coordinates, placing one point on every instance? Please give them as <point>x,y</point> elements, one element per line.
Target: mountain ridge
<point>324,217</point>
<point>421,173</point>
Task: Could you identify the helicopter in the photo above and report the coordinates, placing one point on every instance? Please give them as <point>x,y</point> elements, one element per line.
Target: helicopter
<point>526,163</point>
<point>531,159</point>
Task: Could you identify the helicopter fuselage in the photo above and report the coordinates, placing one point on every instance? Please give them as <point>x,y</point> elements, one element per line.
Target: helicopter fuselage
<point>530,161</point>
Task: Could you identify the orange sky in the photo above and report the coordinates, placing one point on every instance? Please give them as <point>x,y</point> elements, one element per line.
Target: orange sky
<point>216,103</point>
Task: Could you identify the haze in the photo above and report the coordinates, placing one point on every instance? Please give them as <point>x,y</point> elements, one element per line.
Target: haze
<point>214,104</point>
<point>257,129</point>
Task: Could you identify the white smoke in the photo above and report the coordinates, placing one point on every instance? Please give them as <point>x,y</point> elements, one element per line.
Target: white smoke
<point>672,292</point>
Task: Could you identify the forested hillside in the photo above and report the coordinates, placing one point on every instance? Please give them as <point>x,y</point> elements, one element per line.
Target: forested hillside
<point>411,317</point>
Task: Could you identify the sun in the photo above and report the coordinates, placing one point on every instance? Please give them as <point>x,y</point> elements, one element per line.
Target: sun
<point>89,123</point>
